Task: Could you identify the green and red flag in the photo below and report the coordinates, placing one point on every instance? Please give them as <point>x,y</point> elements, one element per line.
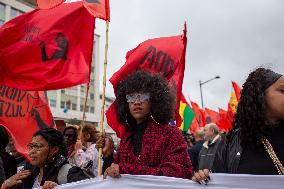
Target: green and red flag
<point>165,55</point>
<point>186,113</point>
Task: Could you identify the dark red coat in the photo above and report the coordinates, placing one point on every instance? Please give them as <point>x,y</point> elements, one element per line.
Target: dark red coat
<point>164,152</point>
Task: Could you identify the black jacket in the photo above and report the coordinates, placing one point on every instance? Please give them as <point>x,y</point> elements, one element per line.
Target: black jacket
<point>8,166</point>
<point>194,153</point>
<point>207,154</point>
<point>228,155</point>
<point>51,173</point>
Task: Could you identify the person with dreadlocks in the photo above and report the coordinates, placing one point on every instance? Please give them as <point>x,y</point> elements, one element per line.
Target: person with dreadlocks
<point>145,106</point>
<point>48,155</point>
<point>255,145</point>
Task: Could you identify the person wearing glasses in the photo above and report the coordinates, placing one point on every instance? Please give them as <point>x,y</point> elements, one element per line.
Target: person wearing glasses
<point>48,156</point>
<point>145,105</point>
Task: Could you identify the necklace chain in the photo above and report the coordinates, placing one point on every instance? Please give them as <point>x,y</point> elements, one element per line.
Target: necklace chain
<point>269,149</point>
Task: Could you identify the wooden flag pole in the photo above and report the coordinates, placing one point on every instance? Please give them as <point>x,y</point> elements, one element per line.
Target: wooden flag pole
<point>103,100</point>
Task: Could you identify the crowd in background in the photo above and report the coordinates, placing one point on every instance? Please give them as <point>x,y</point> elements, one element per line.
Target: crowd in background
<point>150,145</point>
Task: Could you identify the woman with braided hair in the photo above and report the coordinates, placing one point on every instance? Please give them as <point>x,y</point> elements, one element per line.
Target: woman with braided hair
<point>255,145</point>
<point>150,146</point>
<point>48,156</point>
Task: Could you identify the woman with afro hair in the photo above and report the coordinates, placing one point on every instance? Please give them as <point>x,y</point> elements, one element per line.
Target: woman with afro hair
<point>145,105</point>
<point>255,145</point>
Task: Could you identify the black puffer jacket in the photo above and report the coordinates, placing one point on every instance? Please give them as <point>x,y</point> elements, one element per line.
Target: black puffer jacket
<point>8,166</point>
<point>51,174</point>
<point>228,154</point>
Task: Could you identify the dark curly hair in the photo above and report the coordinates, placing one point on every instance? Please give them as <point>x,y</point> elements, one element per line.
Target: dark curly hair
<point>250,117</point>
<point>53,138</point>
<point>161,97</point>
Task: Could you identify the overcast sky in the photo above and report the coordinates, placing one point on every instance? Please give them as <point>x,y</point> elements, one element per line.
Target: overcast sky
<point>225,38</point>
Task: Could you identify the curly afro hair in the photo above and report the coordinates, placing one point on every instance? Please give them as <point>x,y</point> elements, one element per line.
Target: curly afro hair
<point>161,97</point>
<point>251,117</point>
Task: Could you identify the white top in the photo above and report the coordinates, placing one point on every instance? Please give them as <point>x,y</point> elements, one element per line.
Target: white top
<point>82,158</point>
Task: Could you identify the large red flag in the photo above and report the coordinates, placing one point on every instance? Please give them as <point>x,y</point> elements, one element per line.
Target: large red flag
<point>164,55</point>
<point>224,123</point>
<point>199,116</point>
<point>47,49</point>
<point>211,116</point>
<point>98,8</point>
<point>22,113</point>
<point>237,90</point>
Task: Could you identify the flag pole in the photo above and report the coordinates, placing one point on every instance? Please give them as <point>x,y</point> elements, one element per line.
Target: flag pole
<point>103,99</point>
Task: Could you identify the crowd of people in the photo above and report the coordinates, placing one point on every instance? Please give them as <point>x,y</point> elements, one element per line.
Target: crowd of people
<point>145,105</point>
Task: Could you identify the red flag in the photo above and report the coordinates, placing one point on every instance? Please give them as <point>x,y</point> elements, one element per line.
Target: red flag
<point>48,4</point>
<point>237,90</point>
<point>22,113</point>
<point>230,114</point>
<point>211,116</point>
<point>194,126</point>
<point>199,116</point>
<point>98,8</point>
<point>47,49</point>
<point>224,123</point>
<point>164,55</point>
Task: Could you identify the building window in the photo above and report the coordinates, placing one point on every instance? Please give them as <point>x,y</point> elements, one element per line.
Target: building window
<point>92,83</point>
<point>92,109</point>
<point>63,91</point>
<point>82,89</point>
<point>2,14</point>
<point>82,108</point>
<point>62,104</point>
<point>68,105</point>
<point>52,103</point>
<point>92,96</point>
<point>74,106</point>
<point>15,13</point>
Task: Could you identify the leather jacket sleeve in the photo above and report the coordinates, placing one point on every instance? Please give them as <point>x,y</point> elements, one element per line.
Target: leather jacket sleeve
<point>228,154</point>
<point>220,161</point>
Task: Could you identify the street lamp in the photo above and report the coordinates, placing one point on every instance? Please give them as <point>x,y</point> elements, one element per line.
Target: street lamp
<point>202,83</point>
